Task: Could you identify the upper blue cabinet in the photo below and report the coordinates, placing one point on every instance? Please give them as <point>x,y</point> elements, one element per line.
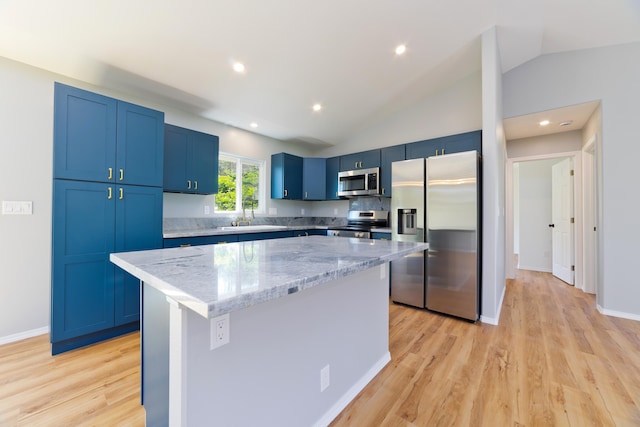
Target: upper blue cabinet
<point>314,181</point>
<point>190,161</point>
<point>286,176</point>
<point>389,155</point>
<point>362,160</point>
<point>101,139</point>
<point>333,167</point>
<point>468,141</point>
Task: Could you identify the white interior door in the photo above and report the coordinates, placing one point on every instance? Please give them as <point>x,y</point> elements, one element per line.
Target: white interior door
<point>562,220</point>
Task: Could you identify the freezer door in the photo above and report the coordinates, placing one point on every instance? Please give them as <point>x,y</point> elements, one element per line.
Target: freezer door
<point>452,232</point>
<point>407,280</point>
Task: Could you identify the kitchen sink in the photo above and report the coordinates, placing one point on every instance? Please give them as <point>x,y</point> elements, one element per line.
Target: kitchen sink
<point>254,228</point>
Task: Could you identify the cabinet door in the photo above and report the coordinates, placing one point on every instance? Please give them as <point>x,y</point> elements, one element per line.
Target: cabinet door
<point>203,163</point>
<point>387,156</point>
<point>469,141</point>
<point>84,135</point>
<point>200,240</point>
<point>175,159</point>
<point>83,277</point>
<point>247,237</point>
<point>138,226</point>
<point>333,166</point>
<point>314,178</point>
<point>362,160</point>
<point>140,146</point>
<point>421,149</point>
<point>286,176</point>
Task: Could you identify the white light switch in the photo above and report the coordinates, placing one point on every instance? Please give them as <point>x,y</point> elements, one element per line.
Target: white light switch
<point>17,207</point>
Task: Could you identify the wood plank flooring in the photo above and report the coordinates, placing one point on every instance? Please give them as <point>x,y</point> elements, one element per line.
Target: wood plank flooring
<point>552,361</point>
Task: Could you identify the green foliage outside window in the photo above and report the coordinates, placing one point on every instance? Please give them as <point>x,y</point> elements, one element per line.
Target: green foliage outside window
<point>226,198</point>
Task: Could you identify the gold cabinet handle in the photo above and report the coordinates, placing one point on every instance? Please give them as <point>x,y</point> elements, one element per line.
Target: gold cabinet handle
<point>121,193</point>
<point>285,193</point>
<point>436,151</point>
<point>121,174</point>
<point>196,185</point>
<point>221,243</point>
<point>306,194</point>
<point>185,245</point>
<point>188,184</point>
<point>110,173</point>
<point>382,190</point>
<point>442,152</point>
<point>109,193</point>
<point>355,165</point>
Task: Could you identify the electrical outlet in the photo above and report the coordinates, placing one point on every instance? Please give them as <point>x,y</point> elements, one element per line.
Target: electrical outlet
<point>206,209</point>
<point>324,378</point>
<point>335,211</point>
<point>219,329</point>
<point>302,211</point>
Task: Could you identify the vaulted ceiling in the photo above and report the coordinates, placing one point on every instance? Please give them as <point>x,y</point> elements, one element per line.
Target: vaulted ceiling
<point>296,53</point>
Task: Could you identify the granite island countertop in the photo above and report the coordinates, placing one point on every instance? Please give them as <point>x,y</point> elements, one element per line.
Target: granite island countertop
<point>213,280</point>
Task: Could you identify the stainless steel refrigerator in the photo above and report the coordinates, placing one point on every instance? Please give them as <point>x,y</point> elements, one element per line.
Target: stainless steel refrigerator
<point>449,195</point>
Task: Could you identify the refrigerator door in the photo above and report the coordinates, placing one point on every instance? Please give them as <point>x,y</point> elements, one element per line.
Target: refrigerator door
<point>407,225</point>
<point>452,231</point>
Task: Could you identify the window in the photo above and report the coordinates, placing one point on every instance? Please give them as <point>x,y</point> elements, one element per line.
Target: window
<point>233,193</point>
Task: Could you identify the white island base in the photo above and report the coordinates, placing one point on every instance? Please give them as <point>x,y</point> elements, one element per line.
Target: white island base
<point>270,372</point>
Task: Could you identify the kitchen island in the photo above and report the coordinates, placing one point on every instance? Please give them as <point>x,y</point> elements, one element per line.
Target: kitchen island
<point>307,327</point>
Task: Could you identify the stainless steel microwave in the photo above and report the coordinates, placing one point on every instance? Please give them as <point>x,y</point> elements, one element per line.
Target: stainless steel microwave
<point>359,182</point>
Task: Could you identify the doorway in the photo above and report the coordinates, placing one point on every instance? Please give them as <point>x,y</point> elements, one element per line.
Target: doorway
<point>513,239</point>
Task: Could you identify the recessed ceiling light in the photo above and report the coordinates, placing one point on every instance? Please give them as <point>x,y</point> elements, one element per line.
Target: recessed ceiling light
<point>544,122</point>
<point>566,123</point>
<point>254,125</point>
<point>317,107</point>
<point>238,67</point>
<point>400,49</point>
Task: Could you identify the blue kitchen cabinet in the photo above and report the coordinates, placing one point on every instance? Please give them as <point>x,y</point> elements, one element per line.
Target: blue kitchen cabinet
<point>389,155</point>
<point>309,232</point>
<point>91,299</point>
<point>333,167</point>
<point>178,242</point>
<point>138,227</point>
<point>101,139</point>
<point>361,160</point>
<point>314,178</point>
<point>468,141</point>
<point>286,176</point>
<point>247,237</point>
<point>380,236</point>
<point>190,161</point>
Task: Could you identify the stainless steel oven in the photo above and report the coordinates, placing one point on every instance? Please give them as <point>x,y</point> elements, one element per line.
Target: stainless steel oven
<point>360,224</point>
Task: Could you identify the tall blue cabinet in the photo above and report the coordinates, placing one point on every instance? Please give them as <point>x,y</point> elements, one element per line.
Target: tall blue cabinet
<point>107,197</point>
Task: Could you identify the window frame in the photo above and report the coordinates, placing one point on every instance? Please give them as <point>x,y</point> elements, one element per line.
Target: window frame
<point>262,183</point>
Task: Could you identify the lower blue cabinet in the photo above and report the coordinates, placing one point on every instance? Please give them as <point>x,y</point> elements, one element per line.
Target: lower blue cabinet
<point>199,240</point>
<point>91,299</point>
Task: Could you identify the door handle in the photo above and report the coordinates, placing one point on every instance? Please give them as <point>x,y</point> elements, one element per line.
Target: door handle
<point>285,193</point>
<point>121,193</point>
<point>121,174</point>
<point>109,193</point>
<point>552,225</point>
<point>110,174</point>
<point>196,185</point>
<point>188,184</point>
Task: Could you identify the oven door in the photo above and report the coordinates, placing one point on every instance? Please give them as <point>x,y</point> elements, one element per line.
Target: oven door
<point>349,233</point>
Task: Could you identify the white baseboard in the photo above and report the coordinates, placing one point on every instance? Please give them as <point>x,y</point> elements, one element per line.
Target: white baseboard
<point>495,320</point>
<point>342,403</point>
<point>534,268</point>
<point>620,314</point>
<point>24,335</point>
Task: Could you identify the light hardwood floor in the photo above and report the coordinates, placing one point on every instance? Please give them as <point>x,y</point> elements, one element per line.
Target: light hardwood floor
<point>552,361</point>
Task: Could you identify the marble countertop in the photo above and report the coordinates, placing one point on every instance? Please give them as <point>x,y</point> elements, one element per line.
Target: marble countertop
<point>217,279</point>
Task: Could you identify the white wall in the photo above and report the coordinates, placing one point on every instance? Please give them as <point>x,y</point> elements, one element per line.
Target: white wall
<point>26,159</point>
<point>453,109</point>
<point>493,188</point>
<point>563,142</point>
<point>611,75</point>
<point>535,215</point>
